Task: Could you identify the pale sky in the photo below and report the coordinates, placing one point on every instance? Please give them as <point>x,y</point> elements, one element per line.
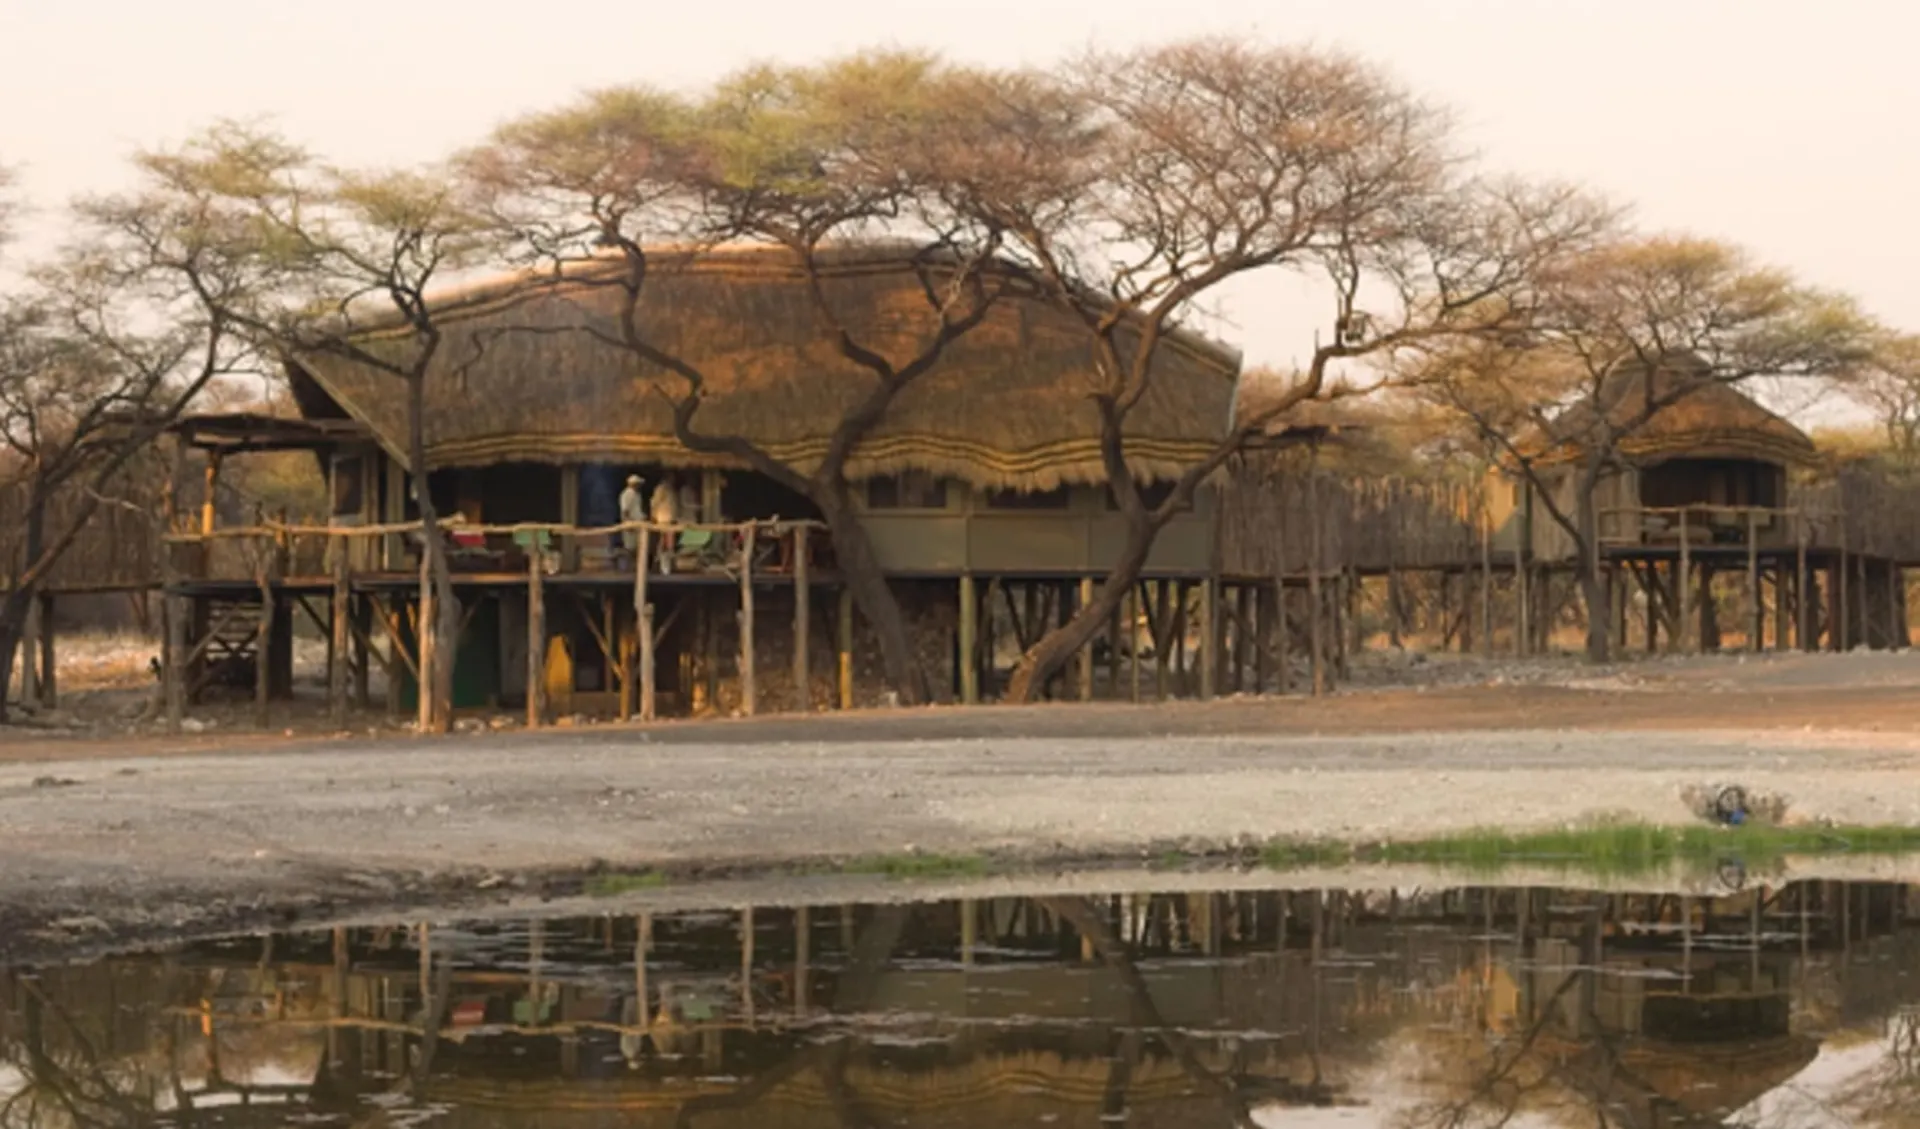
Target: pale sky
<point>1790,127</point>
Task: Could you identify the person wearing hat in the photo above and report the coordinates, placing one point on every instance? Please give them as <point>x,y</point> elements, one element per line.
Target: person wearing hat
<point>632,509</point>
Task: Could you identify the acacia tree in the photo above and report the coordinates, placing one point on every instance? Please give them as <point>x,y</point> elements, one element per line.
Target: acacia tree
<point>1625,332</point>
<point>791,160</point>
<point>1888,385</point>
<point>1173,171</point>
<point>107,346</point>
<point>353,255</point>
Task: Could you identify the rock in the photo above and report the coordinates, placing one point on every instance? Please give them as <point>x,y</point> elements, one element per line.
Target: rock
<point>53,782</point>
<point>194,725</point>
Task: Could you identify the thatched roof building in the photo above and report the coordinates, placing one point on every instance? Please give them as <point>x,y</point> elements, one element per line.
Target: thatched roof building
<point>530,371</point>
<point>1706,419</point>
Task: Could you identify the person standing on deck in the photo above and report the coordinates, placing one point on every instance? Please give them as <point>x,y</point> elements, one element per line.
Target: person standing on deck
<point>631,510</point>
<point>664,510</point>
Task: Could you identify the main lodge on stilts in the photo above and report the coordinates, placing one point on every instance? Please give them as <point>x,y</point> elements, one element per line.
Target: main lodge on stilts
<point>983,492</point>
<point>985,498</point>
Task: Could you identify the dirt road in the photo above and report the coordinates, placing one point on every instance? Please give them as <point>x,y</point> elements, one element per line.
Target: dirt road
<point>171,835</point>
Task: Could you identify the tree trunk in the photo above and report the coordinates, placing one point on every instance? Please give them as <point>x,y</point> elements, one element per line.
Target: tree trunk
<point>1051,652</point>
<point>446,622</point>
<point>13,623</point>
<point>860,571</point>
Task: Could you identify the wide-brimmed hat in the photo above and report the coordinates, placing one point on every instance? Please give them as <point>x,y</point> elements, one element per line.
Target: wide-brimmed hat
<point>633,480</point>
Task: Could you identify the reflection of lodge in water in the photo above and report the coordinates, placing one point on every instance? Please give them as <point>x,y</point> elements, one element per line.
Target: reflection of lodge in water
<point>1172,1009</point>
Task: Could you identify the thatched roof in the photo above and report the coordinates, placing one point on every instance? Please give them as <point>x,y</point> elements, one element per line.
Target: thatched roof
<point>524,376</point>
<point>1710,419</point>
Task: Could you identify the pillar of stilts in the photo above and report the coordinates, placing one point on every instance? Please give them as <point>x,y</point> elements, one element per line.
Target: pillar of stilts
<point>362,651</point>
<point>1896,611</point>
<point>749,688</point>
<point>263,657</point>
<point>803,627</point>
<point>1262,636</point>
<point>1861,615</point>
<point>1687,631</point>
<point>1802,606</point>
<point>1317,630</point>
<point>342,624</point>
<point>1209,638</point>
<point>969,657</point>
<point>1133,639</point>
<point>29,661</point>
<point>643,625</point>
<point>537,638</point>
<point>1841,627</point>
<point>1522,620</point>
<point>1084,668</point>
<point>1756,610</point>
<point>844,648</point>
<point>1282,637</point>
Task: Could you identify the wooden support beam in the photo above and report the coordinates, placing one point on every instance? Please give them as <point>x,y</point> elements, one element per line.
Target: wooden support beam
<point>969,657</point>
<point>1317,628</point>
<point>749,690</point>
<point>429,642</point>
<point>643,622</point>
<point>537,639</point>
<point>1756,609</point>
<point>1841,629</point>
<point>1262,598</point>
<point>1688,634</point>
<point>341,637</point>
<point>1282,637</point>
<point>845,647</point>
<point>1486,583</point>
<point>206,502</point>
<point>1896,617</point>
<point>49,661</point>
<point>1134,601</point>
<point>803,626</point>
<point>263,657</point>
<point>29,657</point>
<point>1085,665</point>
<point>1803,609</point>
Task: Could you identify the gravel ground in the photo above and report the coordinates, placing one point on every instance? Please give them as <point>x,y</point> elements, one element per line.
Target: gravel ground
<point>118,836</point>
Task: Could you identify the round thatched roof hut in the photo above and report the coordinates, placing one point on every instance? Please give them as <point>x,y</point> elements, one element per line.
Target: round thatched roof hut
<point>531,371</point>
<point>1697,417</point>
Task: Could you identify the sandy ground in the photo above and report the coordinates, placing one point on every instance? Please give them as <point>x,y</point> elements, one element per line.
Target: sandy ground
<point>140,834</point>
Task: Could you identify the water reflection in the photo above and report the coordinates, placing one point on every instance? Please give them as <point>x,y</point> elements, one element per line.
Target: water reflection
<point>1478,1007</point>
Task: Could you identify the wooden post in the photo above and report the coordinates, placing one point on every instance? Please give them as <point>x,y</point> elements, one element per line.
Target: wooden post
<point>263,656</point>
<point>1262,636</point>
<point>1486,583</point>
<point>749,692</point>
<point>174,612</point>
<point>1896,619</point>
<point>1209,638</point>
<point>969,657</point>
<point>845,648</point>
<point>342,634</point>
<point>1803,611</point>
<point>1756,610</point>
<point>1317,616</point>
<point>30,657</point>
<point>1133,637</point>
<point>1842,629</point>
<point>537,638</point>
<point>802,960</point>
<point>1689,631</point>
<point>1860,599</point>
<point>643,621</point>
<point>1282,637</point>
<point>426,642</point>
<point>1086,652</point>
<point>803,624</point>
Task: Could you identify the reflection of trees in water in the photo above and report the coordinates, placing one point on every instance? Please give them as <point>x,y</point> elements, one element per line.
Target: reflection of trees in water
<point>65,1080</point>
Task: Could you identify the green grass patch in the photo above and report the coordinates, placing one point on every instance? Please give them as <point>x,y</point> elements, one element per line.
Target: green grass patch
<point>1609,848</point>
<point>916,866</point>
<point>614,885</point>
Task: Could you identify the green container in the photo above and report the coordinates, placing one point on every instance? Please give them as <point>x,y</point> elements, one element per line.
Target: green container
<point>476,663</point>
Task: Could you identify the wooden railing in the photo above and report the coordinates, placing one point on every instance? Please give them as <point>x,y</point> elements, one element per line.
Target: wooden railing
<point>1701,526</point>
<point>272,555</point>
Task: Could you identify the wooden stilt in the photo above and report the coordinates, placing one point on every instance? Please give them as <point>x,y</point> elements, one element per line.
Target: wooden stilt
<point>1689,631</point>
<point>1209,638</point>
<point>1085,665</point>
<point>1282,637</point>
<point>1396,612</point>
<point>1317,629</point>
<point>969,657</point>
<point>1522,606</point>
<point>537,639</point>
<point>1160,618</point>
<point>846,648</point>
<point>49,661</point>
<point>29,661</point>
<point>1113,648</point>
<point>1896,633</point>
<point>342,624</point>
<point>802,622</point>
<point>263,657</point>
<point>1803,609</point>
<point>1756,610</point>
<point>643,624</point>
<point>1133,638</point>
<point>1842,629</point>
<point>362,650</point>
<point>749,691</point>
<point>1262,598</point>
<point>1486,582</point>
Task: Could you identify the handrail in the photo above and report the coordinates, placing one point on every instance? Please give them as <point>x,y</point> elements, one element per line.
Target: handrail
<point>561,529</point>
